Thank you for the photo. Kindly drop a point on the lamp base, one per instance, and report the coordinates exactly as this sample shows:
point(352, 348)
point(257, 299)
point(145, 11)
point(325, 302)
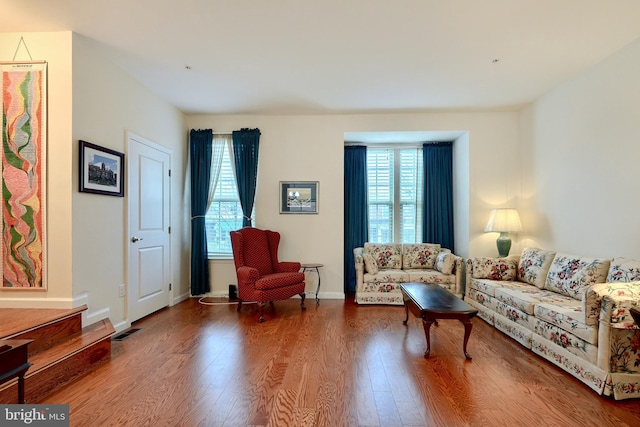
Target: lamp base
point(504, 244)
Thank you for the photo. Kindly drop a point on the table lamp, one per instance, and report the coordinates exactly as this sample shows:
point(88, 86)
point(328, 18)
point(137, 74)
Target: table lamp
point(503, 221)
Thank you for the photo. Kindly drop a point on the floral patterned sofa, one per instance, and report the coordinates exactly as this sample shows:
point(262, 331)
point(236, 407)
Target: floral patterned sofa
point(571, 310)
point(382, 267)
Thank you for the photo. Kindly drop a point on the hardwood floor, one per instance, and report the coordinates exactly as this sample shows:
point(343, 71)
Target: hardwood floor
point(336, 364)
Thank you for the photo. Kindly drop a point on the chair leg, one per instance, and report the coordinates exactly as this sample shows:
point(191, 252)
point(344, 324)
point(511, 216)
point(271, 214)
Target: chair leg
point(302, 306)
point(261, 312)
point(239, 304)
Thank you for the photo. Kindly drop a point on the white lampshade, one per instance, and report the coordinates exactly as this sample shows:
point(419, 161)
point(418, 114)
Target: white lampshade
point(504, 220)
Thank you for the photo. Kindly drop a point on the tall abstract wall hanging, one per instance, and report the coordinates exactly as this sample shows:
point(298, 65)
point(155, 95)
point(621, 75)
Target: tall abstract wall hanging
point(24, 89)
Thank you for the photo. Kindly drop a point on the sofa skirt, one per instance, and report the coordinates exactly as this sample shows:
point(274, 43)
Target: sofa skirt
point(594, 377)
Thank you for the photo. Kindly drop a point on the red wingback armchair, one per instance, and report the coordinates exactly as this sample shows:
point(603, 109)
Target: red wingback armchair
point(261, 277)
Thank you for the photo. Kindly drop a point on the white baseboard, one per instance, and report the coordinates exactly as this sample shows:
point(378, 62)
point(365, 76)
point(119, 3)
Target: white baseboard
point(93, 317)
point(310, 294)
point(122, 326)
point(328, 295)
point(180, 298)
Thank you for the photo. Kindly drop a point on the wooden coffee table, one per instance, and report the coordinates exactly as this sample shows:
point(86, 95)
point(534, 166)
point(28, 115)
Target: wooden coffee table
point(431, 302)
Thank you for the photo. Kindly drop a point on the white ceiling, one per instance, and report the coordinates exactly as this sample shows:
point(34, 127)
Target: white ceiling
point(341, 56)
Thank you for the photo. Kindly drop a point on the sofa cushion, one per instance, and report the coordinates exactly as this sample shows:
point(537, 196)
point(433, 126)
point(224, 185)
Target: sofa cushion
point(567, 315)
point(387, 255)
point(445, 262)
point(370, 264)
point(419, 255)
point(489, 287)
point(624, 270)
point(387, 276)
point(428, 275)
point(526, 296)
point(569, 274)
point(279, 280)
point(567, 340)
point(495, 268)
point(534, 265)
point(513, 314)
point(481, 298)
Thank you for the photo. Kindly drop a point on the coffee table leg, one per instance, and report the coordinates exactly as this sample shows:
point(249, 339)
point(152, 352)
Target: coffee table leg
point(406, 312)
point(426, 323)
point(467, 332)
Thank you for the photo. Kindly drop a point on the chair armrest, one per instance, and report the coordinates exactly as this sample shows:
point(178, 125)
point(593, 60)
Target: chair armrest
point(247, 275)
point(288, 267)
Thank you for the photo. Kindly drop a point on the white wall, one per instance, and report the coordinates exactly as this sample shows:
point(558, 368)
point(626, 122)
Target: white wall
point(106, 104)
point(55, 48)
point(579, 150)
point(93, 100)
point(311, 148)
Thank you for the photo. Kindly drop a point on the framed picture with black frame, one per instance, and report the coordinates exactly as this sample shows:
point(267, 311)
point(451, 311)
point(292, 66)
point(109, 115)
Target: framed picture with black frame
point(101, 170)
point(299, 197)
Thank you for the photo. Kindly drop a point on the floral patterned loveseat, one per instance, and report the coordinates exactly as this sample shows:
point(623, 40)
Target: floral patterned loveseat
point(382, 267)
point(571, 310)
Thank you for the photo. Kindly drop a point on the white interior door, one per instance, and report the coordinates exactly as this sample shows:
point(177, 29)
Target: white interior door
point(149, 221)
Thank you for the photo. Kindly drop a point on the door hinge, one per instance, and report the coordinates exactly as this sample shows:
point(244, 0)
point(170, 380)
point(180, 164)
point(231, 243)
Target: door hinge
point(170, 286)
point(169, 172)
point(169, 230)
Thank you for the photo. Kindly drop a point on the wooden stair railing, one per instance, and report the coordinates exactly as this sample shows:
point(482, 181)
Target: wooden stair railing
point(61, 350)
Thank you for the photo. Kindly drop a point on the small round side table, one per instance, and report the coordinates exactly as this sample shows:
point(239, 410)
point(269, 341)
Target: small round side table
point(312, 267)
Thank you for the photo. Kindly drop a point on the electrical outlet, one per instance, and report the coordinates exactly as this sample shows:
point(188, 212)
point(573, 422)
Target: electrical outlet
point(121, 291)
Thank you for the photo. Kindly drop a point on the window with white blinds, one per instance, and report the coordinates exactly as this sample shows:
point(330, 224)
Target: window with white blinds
point(395, 185)
point(225, 212)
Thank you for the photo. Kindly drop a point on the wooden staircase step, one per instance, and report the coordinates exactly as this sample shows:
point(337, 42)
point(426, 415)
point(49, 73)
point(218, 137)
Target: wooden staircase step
point(18, 321)
point(67, 348)
point(61, 352)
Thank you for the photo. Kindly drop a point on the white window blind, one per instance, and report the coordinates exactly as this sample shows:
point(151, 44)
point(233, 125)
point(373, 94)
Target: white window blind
point(394, 178)
point(225, 212)
point(380, 193)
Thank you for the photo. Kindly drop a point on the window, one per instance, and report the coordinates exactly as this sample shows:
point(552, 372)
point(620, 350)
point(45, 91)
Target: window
point(395, 186)
point(225, 212)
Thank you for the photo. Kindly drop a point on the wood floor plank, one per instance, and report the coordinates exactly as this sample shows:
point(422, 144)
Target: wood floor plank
point(335, 364)
point(387, 410)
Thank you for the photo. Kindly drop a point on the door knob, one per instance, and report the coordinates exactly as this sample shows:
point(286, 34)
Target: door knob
point(135, 239)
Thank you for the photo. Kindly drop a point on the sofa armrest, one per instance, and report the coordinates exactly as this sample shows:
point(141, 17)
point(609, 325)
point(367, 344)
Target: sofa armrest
point(616, 300)
point(458, 270)
point(468, 273)
point(591, 304)
point(359, 264)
